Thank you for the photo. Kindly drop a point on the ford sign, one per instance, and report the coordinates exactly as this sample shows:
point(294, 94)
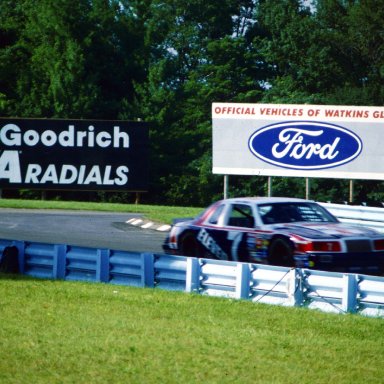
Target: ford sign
point(305, 145)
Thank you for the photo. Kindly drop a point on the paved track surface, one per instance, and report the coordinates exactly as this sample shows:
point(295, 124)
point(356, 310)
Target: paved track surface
point(81, 228)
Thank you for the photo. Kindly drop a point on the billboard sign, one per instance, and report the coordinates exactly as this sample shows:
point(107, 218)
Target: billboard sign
point(73, 154)
point(298, 140)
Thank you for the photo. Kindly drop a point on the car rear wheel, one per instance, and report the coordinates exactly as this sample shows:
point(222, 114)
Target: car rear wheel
point(281, 252)
point(189, 246)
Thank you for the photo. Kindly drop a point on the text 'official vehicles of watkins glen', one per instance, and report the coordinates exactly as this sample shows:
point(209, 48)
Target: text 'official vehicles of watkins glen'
point(277, 231)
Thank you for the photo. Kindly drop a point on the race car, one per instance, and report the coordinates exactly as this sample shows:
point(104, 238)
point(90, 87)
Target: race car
point(277, 231)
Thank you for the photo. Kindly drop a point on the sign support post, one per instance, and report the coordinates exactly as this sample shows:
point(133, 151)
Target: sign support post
point(225, 186)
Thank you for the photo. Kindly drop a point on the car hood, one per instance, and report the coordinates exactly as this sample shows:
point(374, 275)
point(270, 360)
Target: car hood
point(325, 230)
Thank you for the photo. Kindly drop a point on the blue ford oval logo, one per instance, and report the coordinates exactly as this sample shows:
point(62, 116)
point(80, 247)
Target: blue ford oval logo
point(305, 145)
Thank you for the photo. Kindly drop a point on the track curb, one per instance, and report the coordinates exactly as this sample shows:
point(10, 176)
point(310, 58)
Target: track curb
point(146, 224)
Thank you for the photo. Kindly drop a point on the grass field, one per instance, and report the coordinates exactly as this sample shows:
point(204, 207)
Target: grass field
point(74, 332)
point(163, 214)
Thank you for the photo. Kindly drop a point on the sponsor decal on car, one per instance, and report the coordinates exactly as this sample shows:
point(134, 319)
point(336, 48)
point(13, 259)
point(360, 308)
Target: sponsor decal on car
point(210, 244)
point(305, 145)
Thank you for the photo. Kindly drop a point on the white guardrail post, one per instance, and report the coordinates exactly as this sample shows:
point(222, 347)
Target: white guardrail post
point(349, 298)
point(192, 282)
point(295, 288)
point(243, 280)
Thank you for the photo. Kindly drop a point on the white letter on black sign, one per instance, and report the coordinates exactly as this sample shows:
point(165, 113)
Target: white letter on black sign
point(10, 166)
point(117, 135)
point(33, 171)
point(68, 174)
point(122, 177)
point(14, 137)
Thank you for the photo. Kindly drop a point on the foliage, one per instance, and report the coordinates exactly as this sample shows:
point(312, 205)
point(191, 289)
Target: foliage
point(165, 62)
point(68, 58)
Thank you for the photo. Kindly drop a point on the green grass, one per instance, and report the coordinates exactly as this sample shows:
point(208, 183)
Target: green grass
point(63, 332)
point(73, 332)
point(162, 214)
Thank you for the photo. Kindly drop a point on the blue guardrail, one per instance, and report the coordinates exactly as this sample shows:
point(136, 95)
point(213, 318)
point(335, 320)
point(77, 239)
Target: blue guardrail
point(326, 291)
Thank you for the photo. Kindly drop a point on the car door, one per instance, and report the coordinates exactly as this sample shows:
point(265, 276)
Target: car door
point(224, 235)
point(240, 221)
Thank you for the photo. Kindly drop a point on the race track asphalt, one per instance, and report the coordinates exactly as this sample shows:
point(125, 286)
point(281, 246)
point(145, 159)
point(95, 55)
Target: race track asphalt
point(79, 228)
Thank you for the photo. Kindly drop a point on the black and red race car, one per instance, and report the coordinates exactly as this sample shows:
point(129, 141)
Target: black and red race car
point(277, 231)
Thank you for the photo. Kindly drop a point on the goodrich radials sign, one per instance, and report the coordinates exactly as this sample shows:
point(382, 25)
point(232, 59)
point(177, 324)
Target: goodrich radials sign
point(298, 140)
point(73, 154)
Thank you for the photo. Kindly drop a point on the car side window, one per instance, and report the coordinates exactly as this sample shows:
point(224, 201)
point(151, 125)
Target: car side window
point(279, 213)
point(241, 215)
point(214, 219)
point(295, 212)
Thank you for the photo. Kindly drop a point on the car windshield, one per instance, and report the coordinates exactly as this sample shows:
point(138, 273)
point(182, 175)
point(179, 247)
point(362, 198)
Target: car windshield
point(275, 213)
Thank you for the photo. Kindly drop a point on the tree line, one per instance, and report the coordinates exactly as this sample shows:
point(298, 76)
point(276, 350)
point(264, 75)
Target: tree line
point(166, 61)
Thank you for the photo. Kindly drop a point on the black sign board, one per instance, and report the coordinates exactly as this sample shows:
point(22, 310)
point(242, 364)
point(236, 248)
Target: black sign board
point(74, 154)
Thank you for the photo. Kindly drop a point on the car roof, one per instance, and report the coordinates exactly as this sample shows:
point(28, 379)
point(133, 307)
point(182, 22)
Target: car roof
point(265, 200)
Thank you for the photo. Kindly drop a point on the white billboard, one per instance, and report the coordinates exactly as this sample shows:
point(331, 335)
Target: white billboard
point(298, 140)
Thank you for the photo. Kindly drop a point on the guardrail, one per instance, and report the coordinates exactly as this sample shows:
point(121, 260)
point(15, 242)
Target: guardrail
point(355, 214)
point(326, 291)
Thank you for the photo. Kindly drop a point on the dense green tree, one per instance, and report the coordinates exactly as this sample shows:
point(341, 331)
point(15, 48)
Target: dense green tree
point(200, 53)
point(355, 30)
point(298, 48)
point(166, 61)
point(68, 58)
point(331, 53)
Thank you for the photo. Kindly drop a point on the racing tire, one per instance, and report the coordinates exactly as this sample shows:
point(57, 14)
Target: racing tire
point(189, 246)
point(281, 253)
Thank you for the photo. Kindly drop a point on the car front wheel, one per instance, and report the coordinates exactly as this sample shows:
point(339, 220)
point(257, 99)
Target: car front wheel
point(189, 246)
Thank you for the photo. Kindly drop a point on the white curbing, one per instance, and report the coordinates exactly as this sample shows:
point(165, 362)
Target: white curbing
point(164, 228)
point(148, 225)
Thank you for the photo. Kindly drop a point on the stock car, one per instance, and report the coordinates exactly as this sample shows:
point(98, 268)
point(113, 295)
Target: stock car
point(277, 231)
